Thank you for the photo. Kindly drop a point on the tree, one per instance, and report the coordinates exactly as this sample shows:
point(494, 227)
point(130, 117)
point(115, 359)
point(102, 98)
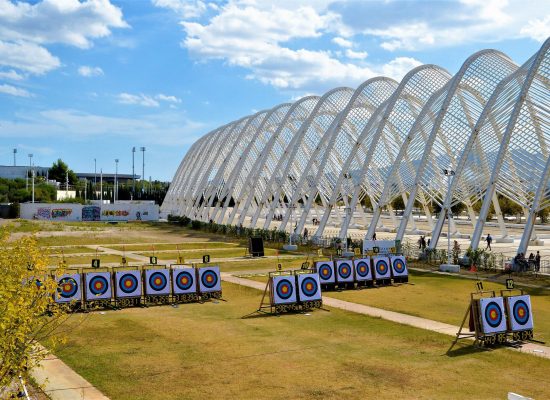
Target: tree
point(58, 171)
point(28, 314)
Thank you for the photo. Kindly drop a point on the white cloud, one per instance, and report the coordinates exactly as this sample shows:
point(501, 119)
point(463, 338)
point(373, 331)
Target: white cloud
point(356, 55)
point(342, 42)
point(398, 67)
point(14, 91)
point(11, 75)
point(538, 29)
point(185, 8)
point(28, 57)
point(89, 72)
point(147, 100)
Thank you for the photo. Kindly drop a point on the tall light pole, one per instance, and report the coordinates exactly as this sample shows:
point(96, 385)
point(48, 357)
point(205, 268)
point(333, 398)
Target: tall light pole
point(95, 178)
point(27, 178)
point(14, 153)
point(142, 149)
point(116, 180)
point(449, 173)
point(32, 171)
point(133, 172)
point(101, 185)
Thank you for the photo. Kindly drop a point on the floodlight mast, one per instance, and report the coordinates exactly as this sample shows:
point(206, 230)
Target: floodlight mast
point(449, 173)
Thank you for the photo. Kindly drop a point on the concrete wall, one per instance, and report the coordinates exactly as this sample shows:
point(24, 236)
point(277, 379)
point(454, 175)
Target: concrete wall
point(79, 212)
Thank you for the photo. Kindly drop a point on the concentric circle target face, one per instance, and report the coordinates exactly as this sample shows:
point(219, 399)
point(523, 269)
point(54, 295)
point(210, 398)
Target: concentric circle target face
point(344, 270)
point(309, 287)
point(67, 287)
point(128, 283)
point(284, 289)
point(521, 312)
point(209, 279)
point(362, 269)
point(157, 281)
point(98, 285)
point(184, 280)
point(381, 267)
point(493, 314)
point(325, 272)
point(399, 266)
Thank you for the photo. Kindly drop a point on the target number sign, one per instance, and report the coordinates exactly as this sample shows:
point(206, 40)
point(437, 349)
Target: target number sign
point(325, 270)
point(320, 252)
point(209, 279)
point(376, 249)
point(181, 260)
point(279, 267)
point(362, 269)
point(128, 284)
point(96, 262)
point(381, 267)
point(509, 283)
point(344, 270)
point(68, 288)
point(305, 265)
point(206, 259)
point(519, 313)
point(357, 251)
point(184, 280)
point(157, 282)
point(123, 261)
point(284, 289)
point(152, 260)
point(338, 252)
point(309, 287)
point(493, 319)
point(98, 286)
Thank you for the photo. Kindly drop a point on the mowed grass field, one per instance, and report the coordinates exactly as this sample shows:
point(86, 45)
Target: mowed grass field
point(199, 351)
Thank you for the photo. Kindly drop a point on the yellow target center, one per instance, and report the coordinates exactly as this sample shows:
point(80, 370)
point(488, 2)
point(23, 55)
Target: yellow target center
point(128, 283)
point(158, 281)
point(493, 314)
point(209, 279)
point(98, 285)
point(184, 280)
point(309, 286)
point(67, 287)
point(285, 289)
point(521, 312)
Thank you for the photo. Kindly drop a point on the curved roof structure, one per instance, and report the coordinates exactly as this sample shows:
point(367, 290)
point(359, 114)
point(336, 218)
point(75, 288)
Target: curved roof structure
point(490, 123)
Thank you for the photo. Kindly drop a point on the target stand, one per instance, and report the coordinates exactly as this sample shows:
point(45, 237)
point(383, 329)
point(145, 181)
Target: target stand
point(327, 274)
point(345, 273)
point(184, 284)
point(309, 289)
point(520, 315)
point(486, 320)
point(209, 282)
point(279, 294)
point(382, 270)
point(156, 283)
point(363, 272)
point(69, 290)
point(98, 289)
point(128, 288)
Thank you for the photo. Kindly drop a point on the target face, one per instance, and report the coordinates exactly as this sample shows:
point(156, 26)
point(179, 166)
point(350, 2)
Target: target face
point(209, 279)
point(68, 288)
point(519, 313)
point(157, 282)
point(184, 281)
point(98, 286)
point(381, 268)
point(345, 271)
point(128, 284)
point(492, 315)
point(284, 289)
point(362, 269)
point(399, 266)
point(309, 287)
point(326, 271)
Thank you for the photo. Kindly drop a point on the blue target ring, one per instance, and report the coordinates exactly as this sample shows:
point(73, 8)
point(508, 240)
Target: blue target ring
point(325, 272)
point(128, 283)
point(344, 270)
point(399, 266)
point(362, 269)
point(493, 314)
point(381, 267)
point(98, 285)
point(209, 279)
point(157, 281)
point(521, 312)
point(284, 289)
point(309, 287)
point(67, 287)
point(184, 280)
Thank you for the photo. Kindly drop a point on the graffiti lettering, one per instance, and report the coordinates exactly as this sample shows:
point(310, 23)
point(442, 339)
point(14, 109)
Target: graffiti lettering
point(91, 213)
point(61, 212)
point(43, 213)
point(115, 213)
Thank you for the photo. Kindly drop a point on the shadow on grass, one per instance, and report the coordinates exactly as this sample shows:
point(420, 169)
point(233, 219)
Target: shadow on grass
point(466, 350)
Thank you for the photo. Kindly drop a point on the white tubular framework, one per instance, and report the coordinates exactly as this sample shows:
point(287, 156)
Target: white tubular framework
point(327, 158)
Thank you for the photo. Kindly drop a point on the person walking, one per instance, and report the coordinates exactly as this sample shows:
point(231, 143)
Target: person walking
point(305, 233)
point(374, 236)
point(489, 240)
point(537, 262)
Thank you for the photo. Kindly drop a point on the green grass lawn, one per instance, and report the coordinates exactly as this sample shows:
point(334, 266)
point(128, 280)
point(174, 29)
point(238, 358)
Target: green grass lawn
point(214, 253)
point(199, 351)
point(77, 260)
point(175, 246)
point(71, 250)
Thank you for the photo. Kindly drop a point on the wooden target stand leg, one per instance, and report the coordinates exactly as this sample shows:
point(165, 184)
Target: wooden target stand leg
point(459, 335)
point(265, 304)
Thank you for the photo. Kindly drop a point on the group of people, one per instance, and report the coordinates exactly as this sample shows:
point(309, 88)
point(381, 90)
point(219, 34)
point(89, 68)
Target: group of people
point(423, 243)
point(278, 217)
point(524, 264)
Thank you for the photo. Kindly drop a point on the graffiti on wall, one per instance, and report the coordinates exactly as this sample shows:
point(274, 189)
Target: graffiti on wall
point(91, 213)
point(43, 213)
point(61, 212)
point(115, 213)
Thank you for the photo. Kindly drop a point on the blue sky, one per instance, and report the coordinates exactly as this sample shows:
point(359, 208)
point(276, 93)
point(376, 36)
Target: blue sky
point(92, 78)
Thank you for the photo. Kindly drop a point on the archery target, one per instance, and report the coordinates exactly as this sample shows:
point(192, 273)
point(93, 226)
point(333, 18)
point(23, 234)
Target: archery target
point(309, 287)
point(128, 284)
point(325, 269)
point(399, 266)
point(519, 313)
point(98, 286)
point(184, 280)
point(284, 289)
point(68, 288)
point(493, 319)
point(157, 282)
point(209, 279)
point(344, 271)
point(381, 266)
point(362, 269)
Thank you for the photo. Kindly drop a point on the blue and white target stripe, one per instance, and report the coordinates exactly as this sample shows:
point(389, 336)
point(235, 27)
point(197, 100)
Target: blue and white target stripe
point(209, 279)
point(98, 286)
point(345, 271)
point(128, 284)
point(183, 281)
point(68, 288)
point(492, 315)
point(362, 269)
point(519, 313)
point(157, 282)
point(309, 287)
point(399, 266)
point(325, 269)
point(284, 291)
point(381, 268)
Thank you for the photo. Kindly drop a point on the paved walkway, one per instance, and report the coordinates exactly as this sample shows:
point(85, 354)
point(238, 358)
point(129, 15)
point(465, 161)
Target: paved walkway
point(417, 322)
point(60, 382)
